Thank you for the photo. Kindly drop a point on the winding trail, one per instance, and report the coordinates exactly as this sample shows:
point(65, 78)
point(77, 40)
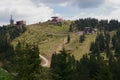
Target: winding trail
point(46, 62)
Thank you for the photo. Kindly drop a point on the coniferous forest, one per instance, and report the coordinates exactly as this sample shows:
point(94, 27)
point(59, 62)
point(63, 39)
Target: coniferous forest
point(101, 63)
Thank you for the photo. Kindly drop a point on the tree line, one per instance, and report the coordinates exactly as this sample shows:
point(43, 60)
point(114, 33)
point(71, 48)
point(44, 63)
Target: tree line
point(7, 34)
point(80, 24)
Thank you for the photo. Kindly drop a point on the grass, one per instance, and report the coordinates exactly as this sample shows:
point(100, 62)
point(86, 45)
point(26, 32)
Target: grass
point(51, 46)
point(47, 36)
point(5, 75)
point(77, 48)
point(41, 32)
point(50, 39)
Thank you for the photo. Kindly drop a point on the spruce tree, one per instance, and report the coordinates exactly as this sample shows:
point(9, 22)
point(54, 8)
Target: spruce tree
point(101, 41)
point(94, 48)
point(103, 74)
point(62, 66)
point(82, 38)
point(27, 63)
point(114, 64)
point(68, 38)
point(117, 48)
point(82, 68)
point(114, 39)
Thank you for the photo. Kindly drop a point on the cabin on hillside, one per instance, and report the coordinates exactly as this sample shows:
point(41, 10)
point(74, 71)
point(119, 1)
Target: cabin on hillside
point(89, 30)
point(56, 20)
point(21, 23)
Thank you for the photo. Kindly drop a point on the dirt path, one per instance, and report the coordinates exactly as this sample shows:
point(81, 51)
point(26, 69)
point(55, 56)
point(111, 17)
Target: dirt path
point(61, 45)
point(45, 61)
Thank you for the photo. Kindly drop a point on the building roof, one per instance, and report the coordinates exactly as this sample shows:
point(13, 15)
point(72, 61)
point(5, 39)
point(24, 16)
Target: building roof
point(54, 17)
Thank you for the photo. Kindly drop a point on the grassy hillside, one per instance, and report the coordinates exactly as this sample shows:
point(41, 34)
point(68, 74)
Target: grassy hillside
point(51, 38)
point(46, 36)
point(77, 48)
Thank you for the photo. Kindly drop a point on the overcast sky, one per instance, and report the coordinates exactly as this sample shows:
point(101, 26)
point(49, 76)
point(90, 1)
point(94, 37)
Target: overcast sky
point(33, 11)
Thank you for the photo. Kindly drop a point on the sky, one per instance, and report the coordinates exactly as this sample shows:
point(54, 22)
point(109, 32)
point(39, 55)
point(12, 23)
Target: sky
point(33, 11)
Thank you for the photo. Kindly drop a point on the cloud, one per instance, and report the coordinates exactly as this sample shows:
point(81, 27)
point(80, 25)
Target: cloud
point(79, 3)
point(41, 10)
point(52, 1)
point(25, 10)
point(90, 3)
point(61, 3)
point(109, 16)
point(115, 2)
point(107, 9)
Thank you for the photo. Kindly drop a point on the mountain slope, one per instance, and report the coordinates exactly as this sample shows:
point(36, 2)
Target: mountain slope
point(47, 36)
point(52, 38)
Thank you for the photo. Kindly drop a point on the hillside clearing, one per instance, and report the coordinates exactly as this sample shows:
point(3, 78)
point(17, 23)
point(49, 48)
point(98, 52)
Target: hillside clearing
point(77, 48)
point(52, 38)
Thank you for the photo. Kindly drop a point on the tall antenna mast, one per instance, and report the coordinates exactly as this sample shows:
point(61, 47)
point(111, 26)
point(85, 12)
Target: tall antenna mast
point(11, 20)
point(10, 17)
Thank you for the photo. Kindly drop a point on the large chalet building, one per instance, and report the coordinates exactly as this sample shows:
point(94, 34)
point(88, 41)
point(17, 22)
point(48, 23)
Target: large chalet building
point(56, 20)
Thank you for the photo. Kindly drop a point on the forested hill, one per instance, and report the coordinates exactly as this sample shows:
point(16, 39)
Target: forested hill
point(73, 54)
point(80, 24)
point(7, 34)
point(11, 32)
point(51, 38)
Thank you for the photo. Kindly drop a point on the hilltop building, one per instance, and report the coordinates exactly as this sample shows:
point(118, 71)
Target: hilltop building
point(56, 20)
point(89, 30)
point(21, 23)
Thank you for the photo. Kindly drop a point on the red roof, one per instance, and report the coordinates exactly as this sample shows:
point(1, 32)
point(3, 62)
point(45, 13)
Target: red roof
point(57, 19)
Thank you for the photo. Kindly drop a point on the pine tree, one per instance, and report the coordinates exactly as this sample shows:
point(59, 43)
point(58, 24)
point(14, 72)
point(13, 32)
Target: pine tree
point(95, 64)
point(71, 27)
point(68, 38)
point(83, 68)
point(27, 63)
point(114, 39)
point(94, 48)
point(103, 74)
point(114, 64)
point(62, 66)
point(101, 41)
point(107, 38)
point(82, 38)
point(117, 48)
